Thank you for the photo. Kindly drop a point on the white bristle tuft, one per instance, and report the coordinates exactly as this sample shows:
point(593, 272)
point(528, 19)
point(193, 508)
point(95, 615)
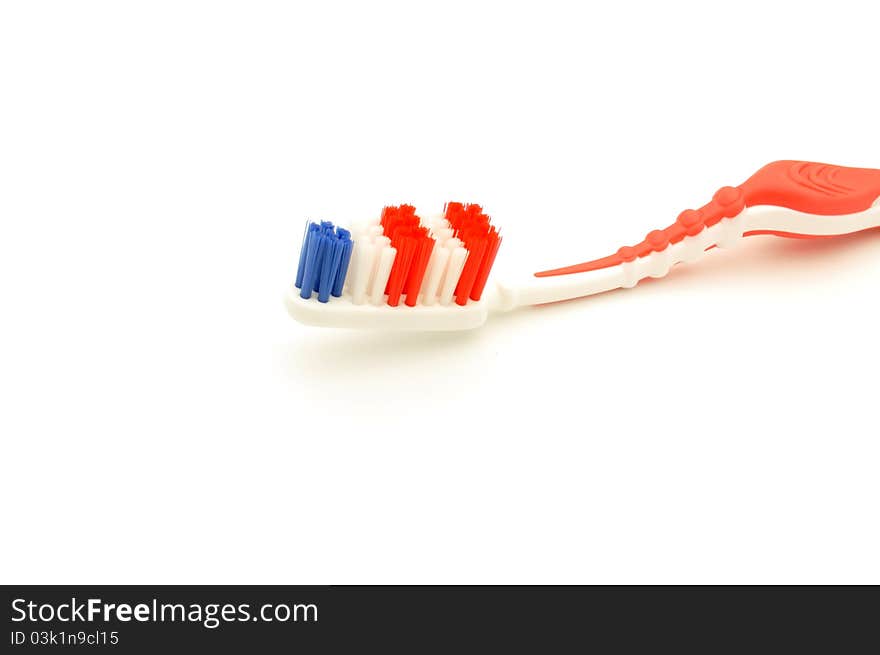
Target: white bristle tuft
point(453, 243)
point(443, 235)
point(457, 260)
point(383, 271)
point(434, 274)
point(364, 256)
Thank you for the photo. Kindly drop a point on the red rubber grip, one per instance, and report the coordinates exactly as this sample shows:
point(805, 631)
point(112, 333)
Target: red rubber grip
point(808, 187)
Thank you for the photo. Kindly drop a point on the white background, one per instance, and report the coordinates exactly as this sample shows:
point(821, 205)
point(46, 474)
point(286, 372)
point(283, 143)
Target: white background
point(164, 420)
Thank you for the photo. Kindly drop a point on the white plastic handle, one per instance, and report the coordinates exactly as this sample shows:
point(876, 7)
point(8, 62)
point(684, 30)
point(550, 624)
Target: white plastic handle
point(532, 290)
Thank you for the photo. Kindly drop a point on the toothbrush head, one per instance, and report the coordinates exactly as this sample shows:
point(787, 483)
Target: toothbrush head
point(397, 271)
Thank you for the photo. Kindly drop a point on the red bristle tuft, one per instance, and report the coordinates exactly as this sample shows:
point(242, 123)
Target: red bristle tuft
point(414, 247)
point(481, 240)
point(493, 243)
point(453, 209)
point(401, 225)
point(419, 265)
point(476, 247)
point(406, 246)
point(471, 212)
point(455, 213)
point(394, 218)
point(387, 214)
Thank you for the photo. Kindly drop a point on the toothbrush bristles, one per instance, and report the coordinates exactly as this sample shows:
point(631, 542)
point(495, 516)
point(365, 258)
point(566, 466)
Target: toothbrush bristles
point(482, 241)
point(323, 262)
point(401, 256)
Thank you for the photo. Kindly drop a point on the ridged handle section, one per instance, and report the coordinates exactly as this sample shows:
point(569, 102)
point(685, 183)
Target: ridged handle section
point(800, 186)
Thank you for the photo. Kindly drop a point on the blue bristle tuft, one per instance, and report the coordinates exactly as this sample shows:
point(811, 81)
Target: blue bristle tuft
point(311, 228)
point(323, 261)
point(312, 266)
point(320, 253)
point(331, 266)
point(347, 246)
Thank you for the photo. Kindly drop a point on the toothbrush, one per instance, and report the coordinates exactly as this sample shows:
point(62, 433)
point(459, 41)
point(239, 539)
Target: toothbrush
point(400, 271)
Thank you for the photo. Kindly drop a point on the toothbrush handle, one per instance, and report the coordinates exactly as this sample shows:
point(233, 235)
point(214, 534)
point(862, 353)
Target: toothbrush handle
point(785, 198)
